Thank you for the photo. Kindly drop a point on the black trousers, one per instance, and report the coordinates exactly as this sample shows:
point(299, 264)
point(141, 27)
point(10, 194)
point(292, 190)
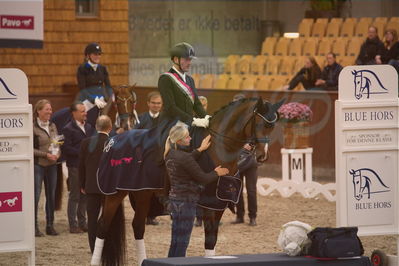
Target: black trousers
point(94, 203)
point(251, 177)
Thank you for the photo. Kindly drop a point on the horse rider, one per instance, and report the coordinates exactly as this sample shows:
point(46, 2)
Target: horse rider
point(177, 88)
point(93, 82)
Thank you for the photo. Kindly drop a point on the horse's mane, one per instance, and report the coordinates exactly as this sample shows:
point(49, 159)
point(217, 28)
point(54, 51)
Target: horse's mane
point(231, 105)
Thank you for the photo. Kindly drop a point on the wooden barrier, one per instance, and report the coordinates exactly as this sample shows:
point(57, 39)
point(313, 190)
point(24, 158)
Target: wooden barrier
point(321, 131)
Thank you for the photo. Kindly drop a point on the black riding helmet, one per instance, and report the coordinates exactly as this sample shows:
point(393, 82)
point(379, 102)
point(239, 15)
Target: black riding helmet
point(182, 50)
point(93, 48)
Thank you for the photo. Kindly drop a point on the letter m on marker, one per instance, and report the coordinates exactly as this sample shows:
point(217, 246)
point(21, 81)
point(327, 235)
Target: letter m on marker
point(296, 164)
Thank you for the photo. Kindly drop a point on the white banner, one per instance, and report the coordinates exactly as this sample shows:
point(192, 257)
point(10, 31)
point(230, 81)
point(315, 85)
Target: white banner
point(21, 23)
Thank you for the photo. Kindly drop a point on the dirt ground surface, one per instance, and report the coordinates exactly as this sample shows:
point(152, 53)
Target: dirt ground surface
point(273, 212)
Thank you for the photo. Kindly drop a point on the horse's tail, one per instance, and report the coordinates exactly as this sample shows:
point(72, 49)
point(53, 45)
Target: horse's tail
point(115, 241)
point(60, 187)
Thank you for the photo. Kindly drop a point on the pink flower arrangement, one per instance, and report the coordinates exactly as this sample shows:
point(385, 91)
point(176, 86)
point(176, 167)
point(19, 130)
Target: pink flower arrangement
point(295, 112)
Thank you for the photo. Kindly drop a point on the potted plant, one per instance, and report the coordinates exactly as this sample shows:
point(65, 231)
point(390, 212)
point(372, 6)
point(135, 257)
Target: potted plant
point(296, 118)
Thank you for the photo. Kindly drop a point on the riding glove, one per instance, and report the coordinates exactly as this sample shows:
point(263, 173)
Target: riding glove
point(100, 102)
point(201, 122)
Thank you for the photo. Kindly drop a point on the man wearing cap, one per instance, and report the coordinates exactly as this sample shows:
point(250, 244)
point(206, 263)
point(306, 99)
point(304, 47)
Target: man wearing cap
point(177, 88)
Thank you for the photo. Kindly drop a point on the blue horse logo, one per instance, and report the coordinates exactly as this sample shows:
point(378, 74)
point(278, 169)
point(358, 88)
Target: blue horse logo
point(366, 83)
point(7, 89)
point(365, 182)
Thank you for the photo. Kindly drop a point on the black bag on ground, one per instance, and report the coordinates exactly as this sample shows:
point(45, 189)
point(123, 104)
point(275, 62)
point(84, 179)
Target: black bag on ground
point(335, 242)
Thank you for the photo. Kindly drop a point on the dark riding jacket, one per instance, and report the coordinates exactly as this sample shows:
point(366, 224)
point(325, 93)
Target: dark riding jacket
point(186, 176)
point(176, 104)
point(87, 77)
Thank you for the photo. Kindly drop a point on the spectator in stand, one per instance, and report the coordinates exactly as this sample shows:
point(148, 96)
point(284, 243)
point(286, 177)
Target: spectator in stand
point(89, 158)
point(46, 153)
point(307, 75)
point(149, 120)
point(391, 51)
point(330, 73)
point(371, 47)
point(74, 132)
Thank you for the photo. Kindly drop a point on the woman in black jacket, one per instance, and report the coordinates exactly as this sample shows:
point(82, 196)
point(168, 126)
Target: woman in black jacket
point(308, 75)
point(186, 182)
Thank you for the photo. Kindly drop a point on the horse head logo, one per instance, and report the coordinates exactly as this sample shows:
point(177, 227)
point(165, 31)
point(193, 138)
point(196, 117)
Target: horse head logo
point(9, 93)
point(366, 83)
point(363, 183)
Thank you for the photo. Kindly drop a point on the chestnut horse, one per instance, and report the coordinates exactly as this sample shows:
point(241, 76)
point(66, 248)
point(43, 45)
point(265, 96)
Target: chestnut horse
point(240, 122)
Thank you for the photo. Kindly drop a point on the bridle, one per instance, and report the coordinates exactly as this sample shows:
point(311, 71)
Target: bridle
point(125, 100)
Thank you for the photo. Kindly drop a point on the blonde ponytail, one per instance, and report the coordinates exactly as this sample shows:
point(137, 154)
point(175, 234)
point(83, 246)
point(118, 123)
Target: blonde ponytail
point(176, 133)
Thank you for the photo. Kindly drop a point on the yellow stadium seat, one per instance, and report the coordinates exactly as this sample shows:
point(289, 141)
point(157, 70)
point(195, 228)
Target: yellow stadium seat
point(347, 60)
point(268, 46)
point(337, 20)
point(234, 82)
point(381, 19)
point(221, 81)
point(325, 45)
point(366, 19)
point(295, 48)
point(282, 46)
point(319, 29)
point(263, 83)
point(307, 20)
point(287, 65)
point(347, 28)
point(299, 63)
point(310, 47)
point(394, 19)
point(321, 61)
point(196, 78)
point(230, 64)
point(206, 81)
point(248, 82)
point(244, 63)
point(354, 46)
point(361, 28)
point(278, 82)
point(393, 25)
point(258, 64)
point(333, 29)
point(305, 28)
point(354, 20)
point(380, 25)
point(339, 46)
point(273, 65)
point(322, 20)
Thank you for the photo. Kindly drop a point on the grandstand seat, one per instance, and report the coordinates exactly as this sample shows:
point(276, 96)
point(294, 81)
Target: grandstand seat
point(278, 82)
point(394, 19)
point(339, 46)
point(393, 25)
point(354, 20)
point(368, 20)
point(243, 64)
point(221, 81)
point(234, 82)
point(248, 82)
point(381, 19)
point(299, 63)
point(310, 46)
point(333, 29)
point(380, 25)
point(322, 20)
point(325, 45)
point(347, 60)
point(206, 81)
point(273, 65)
point(321, 61)
point(258, 65)
point(305, 27)
point(268, 46)
point(296, 45)
point(230, 64)
point(337, 20)
point(282, 46)
point(196, 77)
point(354, 46)
point(263, 83)
point(361, 28)
point(348, 27)
point(319, 29)
point(287, 65)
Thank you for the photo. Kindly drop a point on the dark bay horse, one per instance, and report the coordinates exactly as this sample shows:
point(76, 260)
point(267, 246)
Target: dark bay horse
point(122, 172)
